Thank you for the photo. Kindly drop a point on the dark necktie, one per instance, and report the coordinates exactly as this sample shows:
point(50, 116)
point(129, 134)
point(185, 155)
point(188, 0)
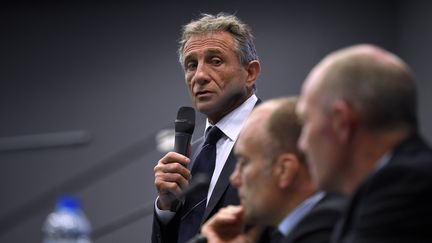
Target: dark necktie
point(195, 204)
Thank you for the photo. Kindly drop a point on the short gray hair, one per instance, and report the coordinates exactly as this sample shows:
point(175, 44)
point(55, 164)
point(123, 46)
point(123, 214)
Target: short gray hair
point(284, 127)
point(208, 23)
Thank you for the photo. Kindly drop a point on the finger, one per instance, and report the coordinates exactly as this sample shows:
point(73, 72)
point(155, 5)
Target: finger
point(227, 216)
point(236, 211)
point(177, 178)
point(223, 226)
point(162, 170)
point(173, 157)
point(168, 164)
point(165, 188)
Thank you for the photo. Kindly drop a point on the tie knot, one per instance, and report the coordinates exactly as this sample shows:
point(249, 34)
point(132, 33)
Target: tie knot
point(213, 135)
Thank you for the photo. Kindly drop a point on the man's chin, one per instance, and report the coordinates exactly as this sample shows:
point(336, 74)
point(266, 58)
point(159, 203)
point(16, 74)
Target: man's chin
point(205, 107)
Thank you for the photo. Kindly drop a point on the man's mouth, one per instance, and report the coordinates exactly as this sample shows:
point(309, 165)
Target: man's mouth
point(202, 93)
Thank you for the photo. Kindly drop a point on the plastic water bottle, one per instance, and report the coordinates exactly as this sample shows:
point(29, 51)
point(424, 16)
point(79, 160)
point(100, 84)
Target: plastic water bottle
point(67, 223)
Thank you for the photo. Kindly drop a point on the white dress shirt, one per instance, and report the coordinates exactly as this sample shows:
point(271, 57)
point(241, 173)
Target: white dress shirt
point(230, 125)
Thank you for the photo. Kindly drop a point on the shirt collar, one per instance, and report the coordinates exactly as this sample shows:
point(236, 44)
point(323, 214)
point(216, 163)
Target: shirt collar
point(299, 212)
point(231, 124)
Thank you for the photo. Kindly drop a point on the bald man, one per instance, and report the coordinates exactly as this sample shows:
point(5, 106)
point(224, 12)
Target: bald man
point(361, 138)
point(274, 184)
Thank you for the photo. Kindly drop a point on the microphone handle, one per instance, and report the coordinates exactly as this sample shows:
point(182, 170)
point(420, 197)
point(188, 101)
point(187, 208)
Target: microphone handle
point(181, 143)
point(181, 146)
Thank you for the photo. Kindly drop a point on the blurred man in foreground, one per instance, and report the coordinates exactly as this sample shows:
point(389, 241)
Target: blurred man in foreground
point(360, 135)
point(274, 184)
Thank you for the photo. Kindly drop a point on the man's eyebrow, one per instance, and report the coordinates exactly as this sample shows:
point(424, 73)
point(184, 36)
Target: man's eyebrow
point(237, 154)
point(209, 52)
point(189, 57)
point(213, 51)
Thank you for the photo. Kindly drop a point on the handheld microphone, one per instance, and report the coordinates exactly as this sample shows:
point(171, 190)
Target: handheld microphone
point(184, 127)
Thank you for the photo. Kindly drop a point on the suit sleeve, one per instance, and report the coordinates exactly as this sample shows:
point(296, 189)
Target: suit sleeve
point(165, 233)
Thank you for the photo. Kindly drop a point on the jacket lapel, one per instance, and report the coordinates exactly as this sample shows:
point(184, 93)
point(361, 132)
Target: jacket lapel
point(223, 182)
point(221, 185)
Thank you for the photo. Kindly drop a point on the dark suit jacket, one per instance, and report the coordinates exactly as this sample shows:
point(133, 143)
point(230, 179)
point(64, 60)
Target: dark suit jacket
point(394, 204)
point(317, 225)
point(223, 194)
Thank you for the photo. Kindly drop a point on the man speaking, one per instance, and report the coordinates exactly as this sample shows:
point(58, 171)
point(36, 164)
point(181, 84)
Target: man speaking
point(221, 67)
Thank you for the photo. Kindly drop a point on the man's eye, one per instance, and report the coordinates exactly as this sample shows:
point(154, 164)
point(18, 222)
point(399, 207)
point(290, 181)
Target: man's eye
point(242, 162)
point(216, 61)
point(190, 66)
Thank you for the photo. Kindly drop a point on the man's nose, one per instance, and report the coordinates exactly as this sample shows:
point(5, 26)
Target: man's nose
point(201, 74)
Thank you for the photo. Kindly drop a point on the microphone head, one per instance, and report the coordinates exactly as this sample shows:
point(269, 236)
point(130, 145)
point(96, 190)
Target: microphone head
point(185, 121)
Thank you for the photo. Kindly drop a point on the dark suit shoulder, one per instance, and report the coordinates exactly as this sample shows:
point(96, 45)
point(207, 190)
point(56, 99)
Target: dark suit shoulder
point(393, 203)
point(317, 225)
point(413, 153)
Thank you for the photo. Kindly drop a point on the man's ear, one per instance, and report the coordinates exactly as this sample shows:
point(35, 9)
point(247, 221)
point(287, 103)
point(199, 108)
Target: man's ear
point(253, 69)
point(287, 168)
point(344, 119)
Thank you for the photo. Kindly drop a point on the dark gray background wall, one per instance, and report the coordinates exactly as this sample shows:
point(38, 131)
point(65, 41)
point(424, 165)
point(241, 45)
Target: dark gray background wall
point(110, 69)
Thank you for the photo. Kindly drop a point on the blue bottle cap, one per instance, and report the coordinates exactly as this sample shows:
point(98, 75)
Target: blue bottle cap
point(68, 202)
